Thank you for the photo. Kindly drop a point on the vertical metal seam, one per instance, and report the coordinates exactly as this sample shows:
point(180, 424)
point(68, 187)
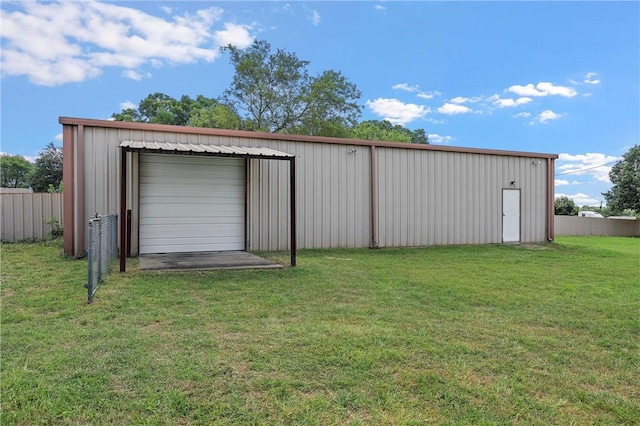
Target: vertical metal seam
point(373, 198)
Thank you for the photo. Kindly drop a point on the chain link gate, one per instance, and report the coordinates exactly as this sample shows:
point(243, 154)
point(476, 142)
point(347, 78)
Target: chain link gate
point(103, 248)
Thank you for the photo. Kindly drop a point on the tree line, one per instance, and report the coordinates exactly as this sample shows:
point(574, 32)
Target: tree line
point(624, 196)
point(45, 175)
point(274, 92)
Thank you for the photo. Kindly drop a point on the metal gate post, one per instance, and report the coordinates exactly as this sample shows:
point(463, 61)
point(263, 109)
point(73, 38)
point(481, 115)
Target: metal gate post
point(90, 255)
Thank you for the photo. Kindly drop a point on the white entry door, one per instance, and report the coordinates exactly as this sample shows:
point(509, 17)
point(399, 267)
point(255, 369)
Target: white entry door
point(510, 215)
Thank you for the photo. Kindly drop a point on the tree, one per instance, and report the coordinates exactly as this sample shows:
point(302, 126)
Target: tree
point(15, 171)
point(48, 169)
point(625, 177)
point(274, 92)
point(565, 206)
point(386, 131)
point(217, 116)
point(160, 108)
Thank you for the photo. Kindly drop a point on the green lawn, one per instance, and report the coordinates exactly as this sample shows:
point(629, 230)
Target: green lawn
point(531, 334)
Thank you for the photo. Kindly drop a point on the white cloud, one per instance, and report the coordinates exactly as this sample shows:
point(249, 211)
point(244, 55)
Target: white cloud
point(58, 137)
point(510, 103)
point(522, 115)
point(379, 7)
point(452, 109)
point(57, 43)
point(436, 138)
point(561, 182)
point(542, 89)
point(166, 9)
point(127, 105)
point(405, 87)
point(412, 89)
point(545, 116)
point(236, 35)
point(590, 78)
point(135, 75)
point(581, 199)
point(429, 95)
point(397, 112)
point(458, 100)
point(550, 89)
point(461, 100)
point(315, 18)
point(593, 164)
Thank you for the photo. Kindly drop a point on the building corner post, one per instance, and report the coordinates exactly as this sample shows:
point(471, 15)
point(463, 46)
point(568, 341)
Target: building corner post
point(550, 200)
point(292, 201)
point(68, 192)
point(123, 210)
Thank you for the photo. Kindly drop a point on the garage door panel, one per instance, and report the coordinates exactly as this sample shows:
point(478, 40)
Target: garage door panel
point(202, 220)
point(228, 232)
point(191, 203)
point(176, 191)
point(171, 211)
point(201, 201)
point(183, 248)
point(180, 174)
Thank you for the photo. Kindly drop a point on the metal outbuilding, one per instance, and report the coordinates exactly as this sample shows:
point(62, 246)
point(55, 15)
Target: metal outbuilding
point(191, 189)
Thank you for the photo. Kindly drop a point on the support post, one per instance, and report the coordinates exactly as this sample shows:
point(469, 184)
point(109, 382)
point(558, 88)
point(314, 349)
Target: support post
point(292, 201)
point(123, 210)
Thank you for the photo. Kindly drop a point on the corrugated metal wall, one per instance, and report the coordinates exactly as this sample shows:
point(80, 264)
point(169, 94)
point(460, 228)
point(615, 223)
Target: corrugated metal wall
point(423, 197)
point(23, 216)
point(574, 225)
point(433, 197)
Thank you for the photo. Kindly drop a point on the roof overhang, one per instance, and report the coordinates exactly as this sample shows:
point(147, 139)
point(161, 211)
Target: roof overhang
point(204, 149)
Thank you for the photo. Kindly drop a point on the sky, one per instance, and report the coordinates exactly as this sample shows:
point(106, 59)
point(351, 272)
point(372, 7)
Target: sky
point(548, 77)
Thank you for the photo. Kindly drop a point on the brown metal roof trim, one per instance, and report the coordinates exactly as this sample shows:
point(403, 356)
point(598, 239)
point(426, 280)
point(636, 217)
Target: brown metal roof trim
point(286, 137)
point(203, 149)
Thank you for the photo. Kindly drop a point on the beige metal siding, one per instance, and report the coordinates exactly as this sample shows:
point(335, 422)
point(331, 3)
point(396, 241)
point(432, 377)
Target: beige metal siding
point(24, 215)
point(432, 198)
point(424, 197)
point(574, 225)
point(332, 197)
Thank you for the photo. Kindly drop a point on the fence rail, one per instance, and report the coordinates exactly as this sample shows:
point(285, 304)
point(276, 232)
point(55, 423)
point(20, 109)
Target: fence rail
point(25, 216)
point(103, 248)
point(574, 225)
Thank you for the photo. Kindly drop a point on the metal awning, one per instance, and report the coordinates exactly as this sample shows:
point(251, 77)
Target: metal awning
point(204, 149)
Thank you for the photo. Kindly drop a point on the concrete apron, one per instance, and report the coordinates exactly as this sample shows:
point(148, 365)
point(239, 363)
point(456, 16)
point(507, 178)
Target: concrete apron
point(210, 260)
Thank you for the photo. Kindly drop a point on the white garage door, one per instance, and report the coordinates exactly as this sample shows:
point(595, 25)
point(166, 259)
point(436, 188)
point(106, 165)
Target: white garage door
point(190, 203)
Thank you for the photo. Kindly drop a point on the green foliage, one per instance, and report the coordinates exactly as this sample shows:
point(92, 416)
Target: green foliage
point(386, 131)
point(625, 177)
point(48, 169)
point(15, 171)
point(216, 116)
point(565, 206)
point(275, 93)
point(56, 228)
point(160, 108)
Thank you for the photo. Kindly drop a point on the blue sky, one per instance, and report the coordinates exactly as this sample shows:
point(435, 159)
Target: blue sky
point(551, 77)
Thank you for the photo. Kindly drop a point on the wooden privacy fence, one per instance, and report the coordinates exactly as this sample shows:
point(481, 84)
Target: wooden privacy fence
point(575, 225)
point(25, 216)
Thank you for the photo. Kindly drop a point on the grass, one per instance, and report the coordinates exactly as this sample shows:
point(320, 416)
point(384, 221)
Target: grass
point(530, 334)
